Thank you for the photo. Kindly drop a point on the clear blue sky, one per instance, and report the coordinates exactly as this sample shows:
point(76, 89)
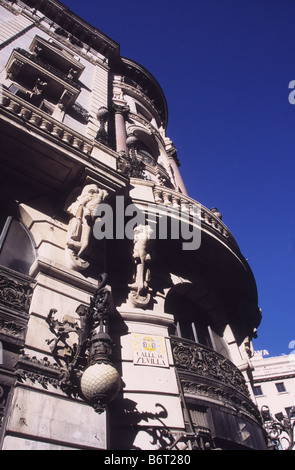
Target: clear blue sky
point(225, 66)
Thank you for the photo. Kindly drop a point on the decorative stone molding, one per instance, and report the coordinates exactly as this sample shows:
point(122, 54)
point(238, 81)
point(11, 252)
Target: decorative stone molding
point(209, 218)
point(39, 370)
point(15, 291)
point(38, 118)
point(12, 329)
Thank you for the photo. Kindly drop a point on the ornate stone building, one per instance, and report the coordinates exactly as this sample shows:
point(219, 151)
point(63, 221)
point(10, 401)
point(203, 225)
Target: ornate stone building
point(127, 310)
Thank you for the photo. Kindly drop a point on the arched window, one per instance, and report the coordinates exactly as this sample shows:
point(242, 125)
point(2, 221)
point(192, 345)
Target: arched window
point(17, 251)
point(145, 153)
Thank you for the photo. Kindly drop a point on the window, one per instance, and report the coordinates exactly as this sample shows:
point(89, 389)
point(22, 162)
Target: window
point(142, 111)
point(145, 153)
point(17, 251)
point(281, 387)
point(193, 322)
point(195, 331)
point(257, 389)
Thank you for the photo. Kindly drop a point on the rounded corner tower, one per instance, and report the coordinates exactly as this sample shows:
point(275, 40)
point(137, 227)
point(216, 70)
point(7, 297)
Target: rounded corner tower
point(127, 309)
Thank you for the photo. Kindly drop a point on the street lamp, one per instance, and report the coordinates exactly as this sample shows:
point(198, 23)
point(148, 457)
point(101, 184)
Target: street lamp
point(278, 428)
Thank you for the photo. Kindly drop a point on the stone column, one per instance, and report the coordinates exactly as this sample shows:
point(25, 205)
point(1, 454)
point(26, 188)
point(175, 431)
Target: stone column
point(173, 161)
point(120, 127)
point(177, 175)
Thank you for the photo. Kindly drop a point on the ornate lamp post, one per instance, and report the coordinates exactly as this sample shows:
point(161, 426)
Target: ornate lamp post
point(279, 428)
point(86, 368)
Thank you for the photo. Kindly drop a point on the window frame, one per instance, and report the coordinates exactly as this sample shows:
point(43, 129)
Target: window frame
point(255, 388)
point(280, 385)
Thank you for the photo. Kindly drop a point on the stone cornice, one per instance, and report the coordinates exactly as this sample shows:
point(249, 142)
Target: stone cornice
point(148, 316)
point(75, 26)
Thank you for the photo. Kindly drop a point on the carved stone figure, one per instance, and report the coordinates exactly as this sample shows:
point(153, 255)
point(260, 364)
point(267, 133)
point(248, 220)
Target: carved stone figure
point(83, 211)
point(140, 295)
point(39, 87)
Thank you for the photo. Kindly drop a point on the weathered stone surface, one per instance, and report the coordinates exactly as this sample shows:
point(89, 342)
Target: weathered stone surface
point(55, 419)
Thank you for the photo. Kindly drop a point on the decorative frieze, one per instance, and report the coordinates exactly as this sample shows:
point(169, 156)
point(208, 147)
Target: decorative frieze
point(38, 370)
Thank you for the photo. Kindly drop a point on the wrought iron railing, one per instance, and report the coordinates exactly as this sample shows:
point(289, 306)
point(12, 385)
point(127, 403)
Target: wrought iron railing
point(204, 373)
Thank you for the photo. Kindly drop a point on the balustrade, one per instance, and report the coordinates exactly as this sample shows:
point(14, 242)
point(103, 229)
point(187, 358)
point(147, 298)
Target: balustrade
point(174, 199)
point(45, 122)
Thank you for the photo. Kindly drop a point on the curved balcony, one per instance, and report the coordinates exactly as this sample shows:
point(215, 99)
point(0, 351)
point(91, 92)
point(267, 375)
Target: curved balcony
point(209, 220)
point(137, 79)
point(176, 201)
point(208, 376)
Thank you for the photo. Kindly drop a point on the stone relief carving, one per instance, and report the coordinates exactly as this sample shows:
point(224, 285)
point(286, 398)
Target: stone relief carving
point(12, 328)
point(83, 211)
point(14, 294)
point(39, 87)
point(140, 290)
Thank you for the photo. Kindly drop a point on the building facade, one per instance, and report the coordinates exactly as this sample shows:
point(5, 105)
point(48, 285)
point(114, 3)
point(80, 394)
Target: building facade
point(127, 310)
point(274, 390)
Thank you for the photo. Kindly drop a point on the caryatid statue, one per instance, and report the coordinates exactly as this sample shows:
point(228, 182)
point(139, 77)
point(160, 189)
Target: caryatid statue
point(140, 295)
point(83, 211)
